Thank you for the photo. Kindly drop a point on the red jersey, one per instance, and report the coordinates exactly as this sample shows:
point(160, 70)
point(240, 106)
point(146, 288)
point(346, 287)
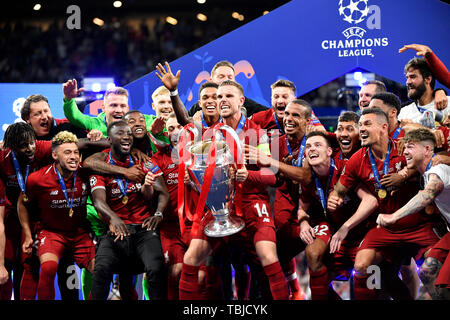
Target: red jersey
point(267, 120)
point(397, 133)
point(252, 134)
point(46, 196)
point(339, 217)
point(358, 169)
point(2, 194)
point(310, 195)
point(287, 195)
point(165, 161)
point(137, 209)
point(42, 157)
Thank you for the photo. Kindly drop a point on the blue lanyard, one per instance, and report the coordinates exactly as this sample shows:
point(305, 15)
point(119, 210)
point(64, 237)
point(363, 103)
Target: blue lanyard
point(430, 164)
point(421, 110)
point(63, 187)
point(373, 164)
point(20, 179)
point(123, 189)
point(240, 124)
point(277, 123)
point(299, 161)
point(320, 191)
point(205, 125)
point(340, 155)
point(397, 132)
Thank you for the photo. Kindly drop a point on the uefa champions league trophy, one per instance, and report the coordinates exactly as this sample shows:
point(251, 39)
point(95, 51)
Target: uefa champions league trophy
point(211, 162)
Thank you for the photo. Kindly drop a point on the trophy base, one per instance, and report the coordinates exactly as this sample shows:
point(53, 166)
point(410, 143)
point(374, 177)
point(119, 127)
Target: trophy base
point(224, 227)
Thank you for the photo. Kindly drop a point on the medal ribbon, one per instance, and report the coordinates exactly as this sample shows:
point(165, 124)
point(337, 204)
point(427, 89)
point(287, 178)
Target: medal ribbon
point(20, 179)
point(63, 187)
point(397, 132)
point(299, 161)
point(429, 164)
point(320, 191)
point(373, 164)
point(123, 189)
point(277, 123)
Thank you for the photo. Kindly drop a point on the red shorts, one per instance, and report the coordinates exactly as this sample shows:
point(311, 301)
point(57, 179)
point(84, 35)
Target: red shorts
point(322, 231)
point(259, 224)
point(258, 219)
point(80, 244)
point(173, 246)
point(385, 241)
point(440, 252)
point(343, 260)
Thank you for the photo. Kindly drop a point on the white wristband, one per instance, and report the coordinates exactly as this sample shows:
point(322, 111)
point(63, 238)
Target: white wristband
point(173, 93)
point(158, 214)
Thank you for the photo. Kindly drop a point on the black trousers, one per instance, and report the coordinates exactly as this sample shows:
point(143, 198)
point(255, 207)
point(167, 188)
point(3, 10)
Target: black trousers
point(137, 253)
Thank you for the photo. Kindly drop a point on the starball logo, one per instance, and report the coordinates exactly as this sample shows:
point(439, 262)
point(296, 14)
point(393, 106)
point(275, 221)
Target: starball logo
point(363, 19)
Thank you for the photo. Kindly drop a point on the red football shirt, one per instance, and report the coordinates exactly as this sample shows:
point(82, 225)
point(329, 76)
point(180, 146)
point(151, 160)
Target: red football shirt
point(2, 194)
point(165, 161)
point(398, 135)
point(252, 134)
point(42, 157)
point(340, 216)
point(45, 195)
point(286, 195)
point(136, 210)
point(358, 169)
point(266, 120)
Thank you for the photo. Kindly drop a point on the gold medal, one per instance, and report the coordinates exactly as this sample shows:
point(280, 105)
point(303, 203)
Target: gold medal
point(25, 198)
point(125, 200)
point(382, 193)
point(70, 212)
point(429, 209)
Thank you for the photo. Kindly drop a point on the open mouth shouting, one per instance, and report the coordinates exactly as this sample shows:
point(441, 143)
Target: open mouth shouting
point(116, 116)
point(125, 146)
point(279, 110)
point(139, 131)
point(72, 165)
point(45, 125)
point(313, 158)
point(211, 109)
point(346, 144)
point(364, 137)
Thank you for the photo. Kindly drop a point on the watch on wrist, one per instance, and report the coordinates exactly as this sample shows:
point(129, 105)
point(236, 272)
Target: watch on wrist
point(158, 214)
point(173, 93)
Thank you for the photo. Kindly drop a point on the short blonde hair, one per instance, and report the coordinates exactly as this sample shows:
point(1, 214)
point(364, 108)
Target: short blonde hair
point(234, 84)
point(159, 92)
point(116, 90)
point(63, 137)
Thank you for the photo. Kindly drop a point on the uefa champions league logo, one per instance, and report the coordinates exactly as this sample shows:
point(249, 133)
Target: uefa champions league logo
point(353, 11)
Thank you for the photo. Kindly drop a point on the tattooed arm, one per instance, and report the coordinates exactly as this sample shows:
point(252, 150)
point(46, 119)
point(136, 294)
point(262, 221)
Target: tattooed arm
point(422, 199)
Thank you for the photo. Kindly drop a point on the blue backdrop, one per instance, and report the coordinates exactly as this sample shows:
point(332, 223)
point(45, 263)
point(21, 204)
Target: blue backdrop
point(307, 42)
point(312, 43)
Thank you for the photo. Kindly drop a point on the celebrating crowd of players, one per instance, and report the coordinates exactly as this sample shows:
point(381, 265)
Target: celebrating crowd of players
point(111, 193)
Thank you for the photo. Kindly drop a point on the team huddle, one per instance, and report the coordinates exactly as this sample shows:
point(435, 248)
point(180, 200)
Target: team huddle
point(112, 194)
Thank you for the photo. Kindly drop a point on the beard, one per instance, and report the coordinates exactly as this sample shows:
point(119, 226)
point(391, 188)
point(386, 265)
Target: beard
point(418, 92)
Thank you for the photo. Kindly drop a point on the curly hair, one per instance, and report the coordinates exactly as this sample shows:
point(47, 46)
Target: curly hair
point(63, 137)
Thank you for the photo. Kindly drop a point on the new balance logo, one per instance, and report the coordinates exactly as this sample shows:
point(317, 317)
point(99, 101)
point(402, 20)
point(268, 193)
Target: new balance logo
point(54, 193)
